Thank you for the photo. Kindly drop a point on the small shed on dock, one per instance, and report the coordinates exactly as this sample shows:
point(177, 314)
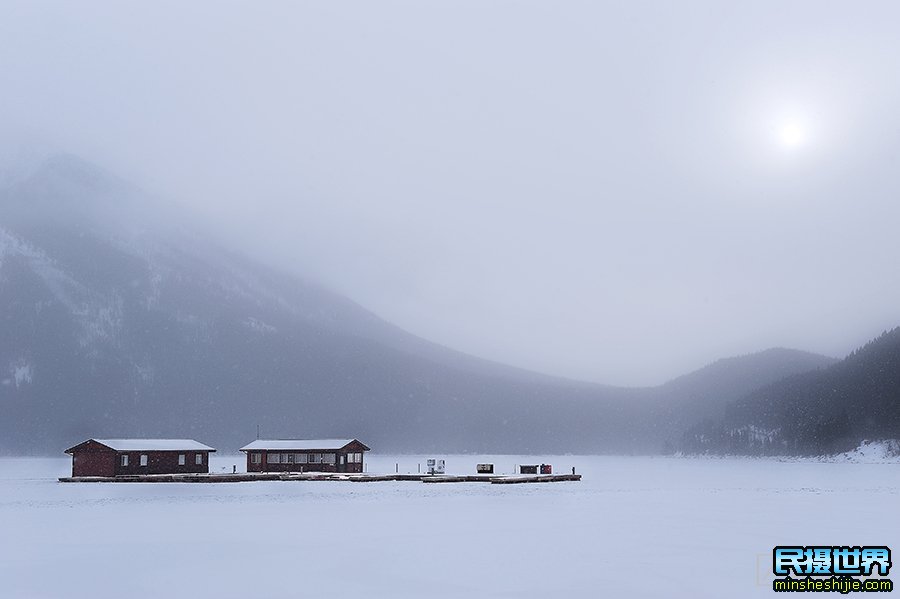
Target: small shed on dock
point(117, 457)
point(305, 455)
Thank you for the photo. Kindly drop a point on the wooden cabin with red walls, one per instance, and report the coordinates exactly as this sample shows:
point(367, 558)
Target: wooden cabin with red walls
point(305, 455)
point(118, 457)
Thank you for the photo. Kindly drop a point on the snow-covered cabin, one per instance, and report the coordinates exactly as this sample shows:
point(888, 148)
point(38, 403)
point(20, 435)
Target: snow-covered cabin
point(116, 457)
point(305, 455)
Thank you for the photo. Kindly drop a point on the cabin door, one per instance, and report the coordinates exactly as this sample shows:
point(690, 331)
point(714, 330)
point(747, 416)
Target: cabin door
point(341, 460)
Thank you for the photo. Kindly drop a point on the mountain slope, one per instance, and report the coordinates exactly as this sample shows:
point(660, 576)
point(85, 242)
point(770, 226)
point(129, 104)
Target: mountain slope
point(705, 393)
point(824, 411)
point(115, 321)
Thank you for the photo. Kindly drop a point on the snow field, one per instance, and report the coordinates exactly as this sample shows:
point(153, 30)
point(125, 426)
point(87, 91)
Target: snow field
point(634, 527)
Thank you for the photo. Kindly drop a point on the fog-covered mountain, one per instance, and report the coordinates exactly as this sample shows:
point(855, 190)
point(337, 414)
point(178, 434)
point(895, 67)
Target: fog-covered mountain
point(115, 321)
point(705, 394)
point(824, 411)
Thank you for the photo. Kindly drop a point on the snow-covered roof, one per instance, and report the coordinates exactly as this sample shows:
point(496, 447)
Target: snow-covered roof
point(300, 444)
point(154, 444)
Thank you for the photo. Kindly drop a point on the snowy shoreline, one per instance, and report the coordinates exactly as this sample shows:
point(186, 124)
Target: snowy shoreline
point(569, 538)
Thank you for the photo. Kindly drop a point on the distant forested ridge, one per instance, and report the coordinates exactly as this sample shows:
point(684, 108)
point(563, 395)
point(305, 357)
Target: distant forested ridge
point(819, 412)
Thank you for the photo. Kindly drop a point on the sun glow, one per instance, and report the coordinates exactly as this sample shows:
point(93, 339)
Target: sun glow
point(790, 127)
point(792, 135)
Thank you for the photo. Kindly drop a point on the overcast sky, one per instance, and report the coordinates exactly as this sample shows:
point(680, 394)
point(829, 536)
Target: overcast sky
point(619, 192)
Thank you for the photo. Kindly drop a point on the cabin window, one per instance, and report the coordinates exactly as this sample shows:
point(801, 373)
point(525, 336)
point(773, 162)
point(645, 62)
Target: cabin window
point(198, 459)
point(256, 458)
point(273, 458)
point(287, 458)
point(328, 458)
point(181, 459)
point(125, 459)
point(354, 458)
point(143, 459)
point(315, 458)
point(300, 458)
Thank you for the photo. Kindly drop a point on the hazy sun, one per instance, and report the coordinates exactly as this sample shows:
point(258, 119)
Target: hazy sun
point(792, 135)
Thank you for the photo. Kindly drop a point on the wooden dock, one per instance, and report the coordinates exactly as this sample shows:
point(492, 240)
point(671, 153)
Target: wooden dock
point(323, 476)
point(540, 478)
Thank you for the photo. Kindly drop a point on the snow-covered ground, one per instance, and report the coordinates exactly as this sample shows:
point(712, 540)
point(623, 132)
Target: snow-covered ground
point(634, 527)
point(871, 452)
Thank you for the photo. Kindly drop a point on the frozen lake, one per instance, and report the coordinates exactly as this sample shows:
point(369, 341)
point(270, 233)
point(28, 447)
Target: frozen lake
point(634, 527)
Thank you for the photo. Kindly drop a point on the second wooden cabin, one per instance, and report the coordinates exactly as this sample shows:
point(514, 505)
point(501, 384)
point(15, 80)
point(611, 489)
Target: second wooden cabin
point(305, 455)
